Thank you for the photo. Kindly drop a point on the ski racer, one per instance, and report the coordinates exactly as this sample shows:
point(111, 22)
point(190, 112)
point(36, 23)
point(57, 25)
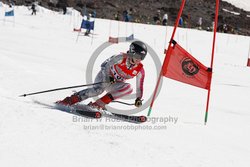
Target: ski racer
point(113, 75)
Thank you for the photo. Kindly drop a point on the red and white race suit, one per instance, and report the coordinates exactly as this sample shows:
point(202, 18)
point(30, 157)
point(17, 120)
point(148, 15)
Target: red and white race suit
point(120, 69)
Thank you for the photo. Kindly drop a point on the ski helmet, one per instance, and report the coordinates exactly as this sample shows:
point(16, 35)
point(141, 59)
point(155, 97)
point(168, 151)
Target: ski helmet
point(138, 50)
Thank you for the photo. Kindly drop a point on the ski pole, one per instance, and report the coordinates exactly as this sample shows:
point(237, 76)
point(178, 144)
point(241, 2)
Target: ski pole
point(129, 104)
point(121, 102)
point(52, 90)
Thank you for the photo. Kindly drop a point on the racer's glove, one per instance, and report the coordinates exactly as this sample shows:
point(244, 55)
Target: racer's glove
point(138, 102)
point(111, 80)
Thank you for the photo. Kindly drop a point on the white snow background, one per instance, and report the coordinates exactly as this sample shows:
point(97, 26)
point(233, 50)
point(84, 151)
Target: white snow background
point(243, 4)
point(40, 52)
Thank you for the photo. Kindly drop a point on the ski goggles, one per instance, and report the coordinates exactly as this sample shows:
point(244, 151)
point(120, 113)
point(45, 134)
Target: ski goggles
point(138, 55)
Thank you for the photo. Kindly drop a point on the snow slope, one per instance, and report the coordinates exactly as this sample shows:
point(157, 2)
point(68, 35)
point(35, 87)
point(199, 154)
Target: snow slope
point(40, 52)
point(243, 4)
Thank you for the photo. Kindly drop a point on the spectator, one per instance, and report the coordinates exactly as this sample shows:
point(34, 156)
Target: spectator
point(225, 28)
point(116, 16)
point(211, 28)
point(33, 8)
point(93, 14)
point(199, 23)
point(125, 16)
point(64, 8)
point(165, 19)
point(181, 22)
point(157, 18)
point(130, 13)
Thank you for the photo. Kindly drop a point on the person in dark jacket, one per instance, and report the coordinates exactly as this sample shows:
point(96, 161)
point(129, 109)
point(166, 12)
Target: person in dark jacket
point(33, 8)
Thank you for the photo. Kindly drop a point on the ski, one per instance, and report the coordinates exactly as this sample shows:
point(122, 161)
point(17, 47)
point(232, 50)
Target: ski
point(99, 114)
point(86, 111)
point(130, 118)
point(91, 114)
point(79, 30)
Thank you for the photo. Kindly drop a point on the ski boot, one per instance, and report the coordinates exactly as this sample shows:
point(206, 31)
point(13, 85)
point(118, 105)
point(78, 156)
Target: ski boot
point(100, 103)
point(69, 101)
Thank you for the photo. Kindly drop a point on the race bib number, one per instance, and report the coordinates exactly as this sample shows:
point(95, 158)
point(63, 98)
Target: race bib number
point(115, 74)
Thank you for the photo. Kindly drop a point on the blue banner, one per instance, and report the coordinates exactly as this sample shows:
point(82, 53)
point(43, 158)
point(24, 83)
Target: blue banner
point(9, 13)
point(89, 25)
point(130, 38)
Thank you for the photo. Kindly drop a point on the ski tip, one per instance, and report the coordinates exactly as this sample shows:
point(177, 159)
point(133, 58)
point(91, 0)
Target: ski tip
point(143, 119)
point(98, 115)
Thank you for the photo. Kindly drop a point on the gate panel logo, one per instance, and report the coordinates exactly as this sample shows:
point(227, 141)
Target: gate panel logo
point(189, 67)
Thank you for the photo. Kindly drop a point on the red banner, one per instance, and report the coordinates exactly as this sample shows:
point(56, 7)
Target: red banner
point(248, 62)
point(113, 40)
point(183, 67)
